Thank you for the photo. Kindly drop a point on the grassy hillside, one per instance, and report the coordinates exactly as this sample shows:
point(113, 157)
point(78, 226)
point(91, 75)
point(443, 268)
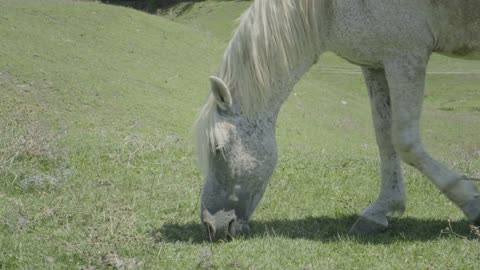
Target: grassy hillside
point(214, 18)
point(97, 168)
point(96, 108)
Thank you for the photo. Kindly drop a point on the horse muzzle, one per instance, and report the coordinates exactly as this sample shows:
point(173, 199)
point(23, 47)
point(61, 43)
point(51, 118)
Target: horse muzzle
point(223, 225)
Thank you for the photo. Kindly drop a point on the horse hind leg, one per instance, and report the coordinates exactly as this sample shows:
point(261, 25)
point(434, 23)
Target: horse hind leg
point(392, 198)
point(406, 80)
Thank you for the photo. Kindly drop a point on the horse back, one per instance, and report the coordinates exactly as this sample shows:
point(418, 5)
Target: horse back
point(366, 32)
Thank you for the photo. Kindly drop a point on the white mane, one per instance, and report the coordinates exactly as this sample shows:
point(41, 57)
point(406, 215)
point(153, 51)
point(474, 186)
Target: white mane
point(271, 39)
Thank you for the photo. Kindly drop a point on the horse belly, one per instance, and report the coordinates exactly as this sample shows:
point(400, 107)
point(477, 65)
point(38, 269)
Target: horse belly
point(467, 55)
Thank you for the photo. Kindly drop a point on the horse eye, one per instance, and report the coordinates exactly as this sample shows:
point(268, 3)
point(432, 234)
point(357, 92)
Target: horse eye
point(222, 111)
point(220, 151)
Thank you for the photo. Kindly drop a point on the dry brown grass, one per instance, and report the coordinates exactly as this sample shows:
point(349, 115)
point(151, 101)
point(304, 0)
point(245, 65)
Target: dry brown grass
point(30, 153)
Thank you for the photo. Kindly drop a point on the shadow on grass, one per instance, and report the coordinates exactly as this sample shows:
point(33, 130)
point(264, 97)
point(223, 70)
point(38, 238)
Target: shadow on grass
point(325, 229)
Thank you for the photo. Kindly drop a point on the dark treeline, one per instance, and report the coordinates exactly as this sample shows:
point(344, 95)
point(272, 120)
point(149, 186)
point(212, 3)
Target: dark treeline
point(147, 5)
point(152, 5)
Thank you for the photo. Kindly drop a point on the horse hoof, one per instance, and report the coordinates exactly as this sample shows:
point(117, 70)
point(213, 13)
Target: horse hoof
point(477, 222)
point(367, 226)
point(472, 211)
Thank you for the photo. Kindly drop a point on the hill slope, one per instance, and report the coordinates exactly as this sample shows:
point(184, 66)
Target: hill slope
point(96, 100)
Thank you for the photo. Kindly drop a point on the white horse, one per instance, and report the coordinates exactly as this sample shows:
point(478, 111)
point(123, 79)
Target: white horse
point(276, 43)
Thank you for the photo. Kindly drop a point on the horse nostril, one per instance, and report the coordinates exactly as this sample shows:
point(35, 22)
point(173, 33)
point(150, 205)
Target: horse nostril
point(221, 225)
point(231, 230)
point(210, 231)
point(245, 228)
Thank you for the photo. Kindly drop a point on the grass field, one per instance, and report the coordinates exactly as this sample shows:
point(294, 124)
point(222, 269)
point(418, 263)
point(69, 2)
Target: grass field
point(97, 168)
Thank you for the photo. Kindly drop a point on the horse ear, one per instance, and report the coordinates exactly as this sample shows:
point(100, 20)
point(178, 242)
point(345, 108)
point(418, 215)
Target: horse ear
point(221, 93)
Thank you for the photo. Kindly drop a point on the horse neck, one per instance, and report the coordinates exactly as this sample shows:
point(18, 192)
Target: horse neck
point(284, 84)
point(274, 45)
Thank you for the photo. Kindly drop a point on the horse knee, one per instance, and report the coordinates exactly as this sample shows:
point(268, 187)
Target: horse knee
point(409, 150)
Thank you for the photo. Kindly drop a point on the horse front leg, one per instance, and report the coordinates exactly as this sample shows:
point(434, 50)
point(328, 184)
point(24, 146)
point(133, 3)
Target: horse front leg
point(392, 197)
point(406, 79)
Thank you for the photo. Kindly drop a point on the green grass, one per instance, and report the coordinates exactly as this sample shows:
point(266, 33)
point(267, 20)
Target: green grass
point(214, 18)
point(97, 167)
